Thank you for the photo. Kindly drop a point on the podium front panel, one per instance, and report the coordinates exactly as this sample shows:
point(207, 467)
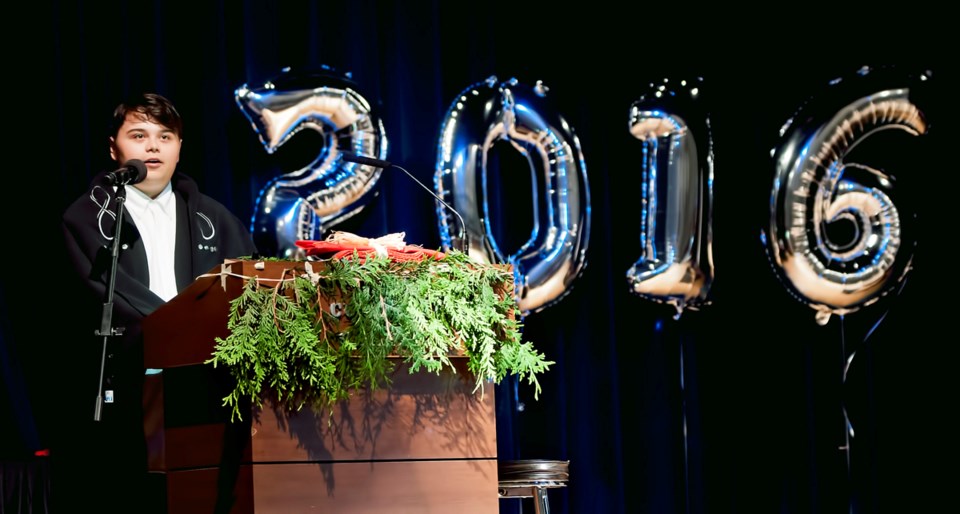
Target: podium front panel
point(426, 443)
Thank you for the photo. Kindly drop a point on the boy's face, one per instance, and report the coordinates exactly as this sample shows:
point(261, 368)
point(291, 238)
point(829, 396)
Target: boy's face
point(154, 144)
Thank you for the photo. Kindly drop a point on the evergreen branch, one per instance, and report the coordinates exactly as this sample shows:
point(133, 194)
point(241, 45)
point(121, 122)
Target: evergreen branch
point(282, 344)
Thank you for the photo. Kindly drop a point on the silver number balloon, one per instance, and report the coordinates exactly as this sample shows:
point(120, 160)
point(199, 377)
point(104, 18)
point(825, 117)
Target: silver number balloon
point(675, 197)
point(305, 203)
point(547, 264)
point(835, 231)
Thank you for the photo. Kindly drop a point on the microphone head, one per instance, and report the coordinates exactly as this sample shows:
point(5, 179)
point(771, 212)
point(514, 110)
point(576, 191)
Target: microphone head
point(138, 169)
point(369, 161)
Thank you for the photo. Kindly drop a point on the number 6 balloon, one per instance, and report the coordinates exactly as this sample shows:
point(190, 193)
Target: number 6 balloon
point(676, 195)
point(305, 203)
point(546, 265)
point(838, 238)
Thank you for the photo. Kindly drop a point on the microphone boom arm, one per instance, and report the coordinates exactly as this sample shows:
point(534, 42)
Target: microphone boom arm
point(464, 238)
point(379, 163)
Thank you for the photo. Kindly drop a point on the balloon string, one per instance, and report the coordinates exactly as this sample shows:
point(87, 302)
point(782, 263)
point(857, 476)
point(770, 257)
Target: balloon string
point(683, 413)
point(848, 432)
point(887, 311)
point(847, 426)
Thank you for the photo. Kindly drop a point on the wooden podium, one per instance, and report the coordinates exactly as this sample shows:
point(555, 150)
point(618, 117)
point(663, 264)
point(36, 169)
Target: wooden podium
point(425, 444)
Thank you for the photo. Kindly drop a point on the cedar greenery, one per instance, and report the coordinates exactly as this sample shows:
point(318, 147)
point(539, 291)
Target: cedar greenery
point(283, 343)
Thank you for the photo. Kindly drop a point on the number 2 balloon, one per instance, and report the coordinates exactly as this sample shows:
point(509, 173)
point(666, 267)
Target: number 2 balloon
point(305, 203)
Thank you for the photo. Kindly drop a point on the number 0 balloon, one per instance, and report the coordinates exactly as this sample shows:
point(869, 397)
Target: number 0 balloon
point(305, 203)
point(546, 265)
point(839, 237)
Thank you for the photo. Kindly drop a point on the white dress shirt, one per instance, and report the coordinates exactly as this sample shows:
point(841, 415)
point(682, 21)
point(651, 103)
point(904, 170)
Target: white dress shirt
point(156, 219)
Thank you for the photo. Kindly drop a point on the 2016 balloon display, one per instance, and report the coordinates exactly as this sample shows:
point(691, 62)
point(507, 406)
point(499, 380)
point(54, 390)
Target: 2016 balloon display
point(676, 195)
point(838, 236)
point(306, 203)
point(554, 255)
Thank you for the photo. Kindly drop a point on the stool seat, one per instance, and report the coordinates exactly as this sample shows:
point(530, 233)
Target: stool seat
point(532, 479)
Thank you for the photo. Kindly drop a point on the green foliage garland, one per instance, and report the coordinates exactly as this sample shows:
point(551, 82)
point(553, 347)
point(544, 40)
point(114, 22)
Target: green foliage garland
point(284, 344)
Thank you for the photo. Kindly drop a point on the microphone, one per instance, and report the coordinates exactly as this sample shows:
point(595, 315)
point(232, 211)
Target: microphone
point(359, 159)
point(378, 163)
point(132, 172)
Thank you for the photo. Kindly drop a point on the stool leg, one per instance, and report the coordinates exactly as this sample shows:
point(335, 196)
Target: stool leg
point(541, 504)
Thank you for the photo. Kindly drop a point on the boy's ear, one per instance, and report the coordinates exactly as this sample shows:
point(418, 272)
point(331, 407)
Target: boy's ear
point(113, 149)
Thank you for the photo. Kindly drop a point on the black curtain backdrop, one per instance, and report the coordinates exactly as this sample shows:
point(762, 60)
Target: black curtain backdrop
point(762, 394)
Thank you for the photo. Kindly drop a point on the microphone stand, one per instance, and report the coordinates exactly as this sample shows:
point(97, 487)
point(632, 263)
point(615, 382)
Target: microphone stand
point(106, 318)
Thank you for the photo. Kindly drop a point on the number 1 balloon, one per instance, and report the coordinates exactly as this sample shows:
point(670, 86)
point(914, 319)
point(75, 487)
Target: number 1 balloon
point(676, 195)
point(837, 236)
point(305, 203)
point(546, 265)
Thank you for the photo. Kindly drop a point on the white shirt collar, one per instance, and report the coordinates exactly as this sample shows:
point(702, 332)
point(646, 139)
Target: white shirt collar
point(137, 199)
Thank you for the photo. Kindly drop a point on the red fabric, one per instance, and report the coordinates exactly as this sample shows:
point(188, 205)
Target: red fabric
point(328, 250)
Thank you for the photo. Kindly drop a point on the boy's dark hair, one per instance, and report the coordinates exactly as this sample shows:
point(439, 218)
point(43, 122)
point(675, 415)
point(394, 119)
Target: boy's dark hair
point(150, 106)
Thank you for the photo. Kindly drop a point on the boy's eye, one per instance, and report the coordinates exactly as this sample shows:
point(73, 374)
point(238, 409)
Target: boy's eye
point(138, 136)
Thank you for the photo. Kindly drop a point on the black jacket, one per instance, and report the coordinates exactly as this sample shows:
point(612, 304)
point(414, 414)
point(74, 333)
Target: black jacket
point(207, 233)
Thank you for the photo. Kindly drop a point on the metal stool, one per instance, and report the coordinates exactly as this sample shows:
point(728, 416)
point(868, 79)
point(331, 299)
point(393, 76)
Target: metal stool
point(531, 479)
